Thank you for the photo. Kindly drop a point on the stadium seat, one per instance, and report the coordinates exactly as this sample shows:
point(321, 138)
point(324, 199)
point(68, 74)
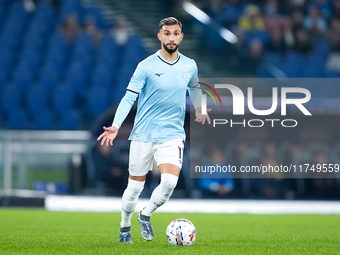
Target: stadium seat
point(3, 4)
point(2, 16)
point(13, 35)
point(262, 36)
point(44, 11)
point(230, 14)
point(49, 80)
point(108, 45)
point(22, 78)
point(97, 101)
point(104, 63)
point(93, 12)
point(70, 120)
point(332, 74)
point(63, 100)
point(58, 44)
point(69, 7)
point(36, 99)
point(274, 58)
point(71, 4)
point(102, 78)
point(322, 48)
point(54, 64)
point(18, 119)
point(43, 120)
point(30, 61)
point(3, 79)
point(17, 9)
point(133, 54)
point(10, 98)
point(2, 122)
point(293, 65)
point(39, 28)
point(134, 47)
point(75, 80)
point(6, 61)
point(83, 47)
point(120, 87)
point(33, 44)
point(81, 65)
point(10, 39)
point(314, 66)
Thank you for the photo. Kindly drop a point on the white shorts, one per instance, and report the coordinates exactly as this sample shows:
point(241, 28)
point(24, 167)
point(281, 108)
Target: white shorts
point(143, 155)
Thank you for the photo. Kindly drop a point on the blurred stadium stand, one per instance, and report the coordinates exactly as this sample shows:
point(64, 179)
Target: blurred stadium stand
point(49, 68)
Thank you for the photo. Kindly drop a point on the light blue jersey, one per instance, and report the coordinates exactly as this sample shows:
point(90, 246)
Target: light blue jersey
point(161, 86)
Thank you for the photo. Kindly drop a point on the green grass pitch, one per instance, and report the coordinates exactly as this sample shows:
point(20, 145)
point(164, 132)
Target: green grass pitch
point(25, 231)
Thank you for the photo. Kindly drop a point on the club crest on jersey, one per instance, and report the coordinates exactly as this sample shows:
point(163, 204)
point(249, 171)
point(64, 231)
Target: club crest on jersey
point(184, 73)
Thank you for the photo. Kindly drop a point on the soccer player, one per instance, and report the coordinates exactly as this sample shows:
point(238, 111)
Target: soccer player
point(160, 83)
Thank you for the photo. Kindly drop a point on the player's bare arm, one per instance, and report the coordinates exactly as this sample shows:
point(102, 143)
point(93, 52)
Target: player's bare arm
point(108, 135)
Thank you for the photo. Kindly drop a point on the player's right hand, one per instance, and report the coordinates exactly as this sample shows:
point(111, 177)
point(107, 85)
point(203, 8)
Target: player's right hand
point(201, 118)
point(108, 135)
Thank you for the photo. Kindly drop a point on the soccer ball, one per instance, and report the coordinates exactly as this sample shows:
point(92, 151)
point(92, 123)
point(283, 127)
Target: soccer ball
point(181, 232)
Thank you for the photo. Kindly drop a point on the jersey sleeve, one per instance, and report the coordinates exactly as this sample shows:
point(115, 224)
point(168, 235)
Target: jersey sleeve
point(138, 79)
point(194, 89)
point(124, 107)
point(135, 86)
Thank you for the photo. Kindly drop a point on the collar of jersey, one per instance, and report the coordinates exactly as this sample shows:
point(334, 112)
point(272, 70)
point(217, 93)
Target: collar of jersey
point(159, 54)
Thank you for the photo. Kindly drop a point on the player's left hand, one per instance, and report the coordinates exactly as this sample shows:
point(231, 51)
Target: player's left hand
point(202, 117)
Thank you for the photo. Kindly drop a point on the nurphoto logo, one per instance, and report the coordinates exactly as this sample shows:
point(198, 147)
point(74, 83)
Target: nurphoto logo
point(288, 97)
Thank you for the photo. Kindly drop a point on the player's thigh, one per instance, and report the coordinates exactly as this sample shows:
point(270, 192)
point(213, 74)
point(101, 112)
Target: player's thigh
point(140, 158)
point(168, 154)
point(169, 169)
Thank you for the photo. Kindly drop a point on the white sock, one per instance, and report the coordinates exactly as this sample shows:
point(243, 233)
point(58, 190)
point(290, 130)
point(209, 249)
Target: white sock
point(161, 193)
point(130, 200)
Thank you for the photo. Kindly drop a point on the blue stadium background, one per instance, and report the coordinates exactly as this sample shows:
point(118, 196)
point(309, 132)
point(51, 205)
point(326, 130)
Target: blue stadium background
point(48, 82)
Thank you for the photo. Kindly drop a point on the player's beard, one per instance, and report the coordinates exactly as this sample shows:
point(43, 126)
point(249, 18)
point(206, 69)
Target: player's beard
point(171, 50)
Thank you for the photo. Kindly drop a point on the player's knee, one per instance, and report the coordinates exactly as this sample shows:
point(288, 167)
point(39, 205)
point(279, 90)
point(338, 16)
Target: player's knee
point(135, 187)
point(169, 181)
